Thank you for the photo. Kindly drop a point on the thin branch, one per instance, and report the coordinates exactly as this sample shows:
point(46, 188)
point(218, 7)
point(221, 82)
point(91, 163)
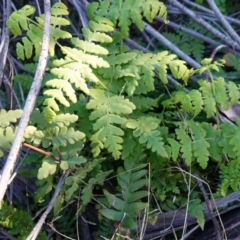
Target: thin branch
point(39, 150)
point(191, 32)
point(81, 13)
point(199, 7)
point(203, 23)
point(5, 38)
point(34, 233)
point(6, 81)
point(30, 103)
point(224, 22)
point(135, 45)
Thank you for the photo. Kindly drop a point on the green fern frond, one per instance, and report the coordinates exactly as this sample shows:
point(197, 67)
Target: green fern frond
point(229, 174)
point(35, 30)
point(233, 92)
point(186, 145)
point(227, 131)
point(7, 133)
point(212, 137)
point(175, 148)
point(210, 105)
point(65, 135)
point(32, 134)
point(124, 13)
point(89, 47)
point(73, 182)
point(136, 70)
point(197, 101)
point(87, 190)
point(189, 45)
point(7, 117)
point(221, 95)
point(200, 146)
point(17, 222)
point(18, 20)
point(125, 207)
point(148, 134)
point(108, 112)
point(144, 103)
point(73, 72)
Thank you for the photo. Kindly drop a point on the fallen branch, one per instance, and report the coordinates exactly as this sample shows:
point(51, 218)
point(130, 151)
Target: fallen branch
point(28, 108)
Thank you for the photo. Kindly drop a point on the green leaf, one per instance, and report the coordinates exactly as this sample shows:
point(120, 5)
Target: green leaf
point(107, 111)
point(72, 162)
point(233, 92)
point(64, 165)
point(57, 205)
point(197, 101)
point(186, 145)
point(212, 137)
point(48, 113)
point(114, 201)
point(195, 209)
point(96, 36)
point(47, 185)
point(87, 194)
point(6, 135)
point(146, 129)
point(227, 131)
point(7, 117)
point(175, 147)
point(208, 98)
point(65, 86)
point(221, 96)
point(128, 222)
point(65, 119)
point(89, 46)
point(65, 135)
point(111, 214)
point(18, 20)
point(48, 167)
point(71, 181)
point(135, 206)
point(137, 196)
point(199, 145)
point(59, 9)
point(33, 135)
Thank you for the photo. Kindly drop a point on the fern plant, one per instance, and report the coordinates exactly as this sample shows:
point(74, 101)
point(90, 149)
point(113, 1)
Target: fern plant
point(17, 222)
point(101, 100)
point(190, 45)
point(131, 179)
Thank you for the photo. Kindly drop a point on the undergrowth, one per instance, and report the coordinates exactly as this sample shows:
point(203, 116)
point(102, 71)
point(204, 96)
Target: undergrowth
point(102, 103)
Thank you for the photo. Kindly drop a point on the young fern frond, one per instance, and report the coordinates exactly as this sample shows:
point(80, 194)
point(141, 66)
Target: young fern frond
point(146, 129)
point(76, 69)
point(108, 113)
point(136, 70)
point(19, 21)
point(123, 13)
